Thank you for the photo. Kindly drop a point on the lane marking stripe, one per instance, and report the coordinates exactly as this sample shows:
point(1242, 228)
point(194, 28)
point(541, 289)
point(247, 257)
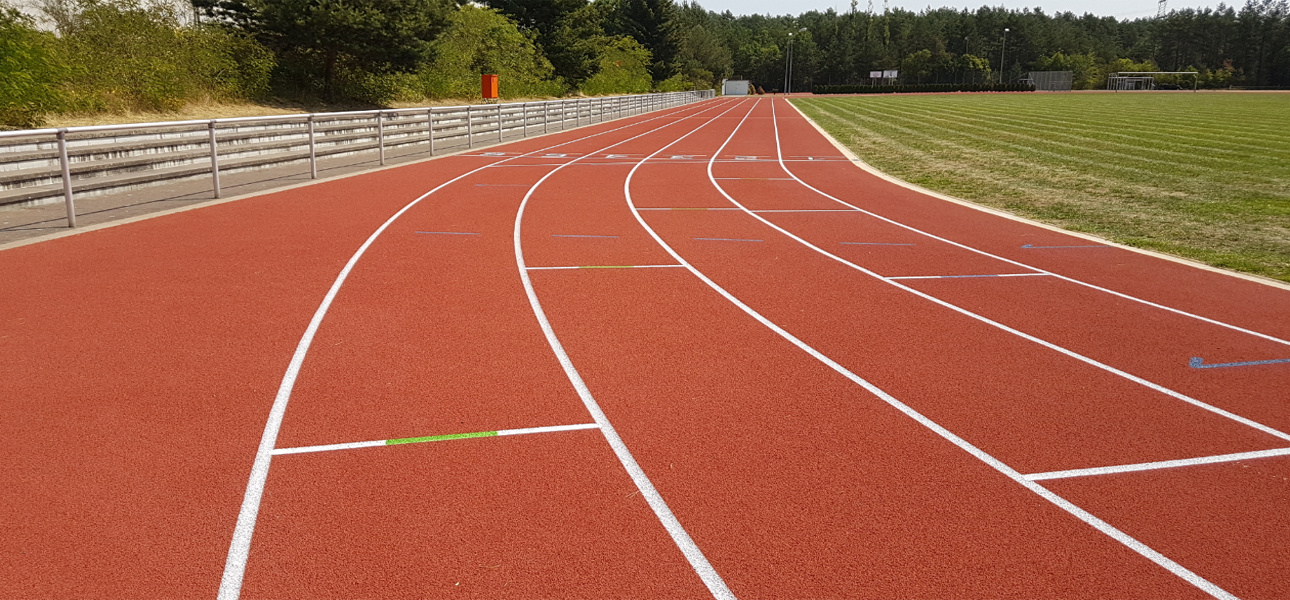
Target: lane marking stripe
point(969, 276)
point(687, 209)
point(727, 240)
point(449, 233)
point(603, 267)
point(230, 587)
point(963, 311)
point(881, 175)
point(870, 243)
point(1197, 362)
point(1164, 464)
point(805, 210)
point(693, 554)
point(582, 236)
point(1029, 246)
point(432, 438)
point(1066, 505)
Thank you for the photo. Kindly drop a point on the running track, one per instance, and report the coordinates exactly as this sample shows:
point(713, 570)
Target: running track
point(812, 383)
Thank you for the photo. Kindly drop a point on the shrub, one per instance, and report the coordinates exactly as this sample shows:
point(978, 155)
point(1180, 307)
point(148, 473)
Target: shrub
point(624, 69)
point(127, 55)
point(28, 72)
point(479, 41)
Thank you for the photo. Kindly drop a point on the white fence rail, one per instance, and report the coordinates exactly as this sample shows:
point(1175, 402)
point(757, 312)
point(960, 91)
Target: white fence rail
point(41, 165)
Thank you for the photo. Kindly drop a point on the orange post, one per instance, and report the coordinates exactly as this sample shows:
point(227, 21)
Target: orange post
point(489, 87)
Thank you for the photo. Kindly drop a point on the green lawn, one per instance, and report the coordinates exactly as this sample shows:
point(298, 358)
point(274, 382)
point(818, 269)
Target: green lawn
point(1200, 175)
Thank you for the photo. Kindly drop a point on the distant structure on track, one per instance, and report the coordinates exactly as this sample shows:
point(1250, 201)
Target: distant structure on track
point(1050, 81)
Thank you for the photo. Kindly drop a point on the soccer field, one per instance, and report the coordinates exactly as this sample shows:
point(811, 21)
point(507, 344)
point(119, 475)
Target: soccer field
point(1200, 175)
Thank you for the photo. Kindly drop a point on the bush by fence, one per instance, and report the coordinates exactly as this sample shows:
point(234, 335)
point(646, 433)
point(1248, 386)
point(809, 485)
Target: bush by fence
point(925, 88)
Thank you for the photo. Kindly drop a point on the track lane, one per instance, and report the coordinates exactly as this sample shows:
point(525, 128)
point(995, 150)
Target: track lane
point(389, 366)
point(1224, 575)
point(136, 362)
point(725, 400)
point(1102, 526)
point(1259, 404)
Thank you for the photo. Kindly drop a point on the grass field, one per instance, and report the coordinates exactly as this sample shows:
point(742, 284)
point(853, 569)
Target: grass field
point(1205, 176)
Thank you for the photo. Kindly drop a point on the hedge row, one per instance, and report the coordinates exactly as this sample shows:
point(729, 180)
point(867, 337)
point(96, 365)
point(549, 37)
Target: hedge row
point(923, 88)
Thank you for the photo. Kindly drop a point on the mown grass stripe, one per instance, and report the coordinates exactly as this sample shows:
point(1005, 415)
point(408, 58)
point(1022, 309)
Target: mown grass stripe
point(440, 438)
point(1172, 173)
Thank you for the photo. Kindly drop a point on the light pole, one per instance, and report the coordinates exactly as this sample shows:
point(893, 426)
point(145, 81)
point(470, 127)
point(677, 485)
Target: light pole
point(1002, 51)
point(788, 61)
point(788, 64)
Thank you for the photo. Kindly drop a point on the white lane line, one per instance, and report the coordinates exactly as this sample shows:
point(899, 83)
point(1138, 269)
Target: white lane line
point(230, 587)
point(996, 464)
point(968, 276)
point(328, 447)
point(805, 210)
point(690, 209)
point(891, 179)
point(603, 267)
point(963, 311)
point(432, 438)
point(707, 573)
point(552, 429)
point(1164, 464)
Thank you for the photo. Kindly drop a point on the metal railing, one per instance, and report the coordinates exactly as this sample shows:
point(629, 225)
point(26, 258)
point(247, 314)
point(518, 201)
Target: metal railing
point(262, 141)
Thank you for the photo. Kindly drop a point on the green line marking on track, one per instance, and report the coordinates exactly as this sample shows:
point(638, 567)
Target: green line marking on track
point(440, 438)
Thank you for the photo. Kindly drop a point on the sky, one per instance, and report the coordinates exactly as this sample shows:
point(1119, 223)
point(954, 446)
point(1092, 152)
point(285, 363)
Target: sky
point(1120, 9)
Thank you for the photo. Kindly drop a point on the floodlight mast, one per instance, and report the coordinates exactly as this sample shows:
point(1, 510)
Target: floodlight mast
point(1002, 51)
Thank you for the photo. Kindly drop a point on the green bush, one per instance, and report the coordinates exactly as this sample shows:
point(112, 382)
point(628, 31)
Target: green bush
point(482, 41)
point(675, 83)
point(127, 55)
point(624, 69)
point(29, 73)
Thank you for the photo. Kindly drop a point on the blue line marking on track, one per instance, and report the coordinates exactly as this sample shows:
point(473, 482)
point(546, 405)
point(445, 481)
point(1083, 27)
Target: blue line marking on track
point(1197, 362)
point(449, 233)
point(1028, 246)
point(582, 236)
point(727, 240)
point(873, 244)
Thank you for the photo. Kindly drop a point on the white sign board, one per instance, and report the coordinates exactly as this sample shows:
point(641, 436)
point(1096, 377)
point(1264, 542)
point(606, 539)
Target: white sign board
point(735, 87)
point(890, 74)
point(875, 74)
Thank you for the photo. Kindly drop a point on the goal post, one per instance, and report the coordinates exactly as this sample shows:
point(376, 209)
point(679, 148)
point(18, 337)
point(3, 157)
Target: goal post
point(1127, 81)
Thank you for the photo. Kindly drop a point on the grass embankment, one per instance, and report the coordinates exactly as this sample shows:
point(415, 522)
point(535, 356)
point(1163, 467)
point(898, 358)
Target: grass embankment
point(1205, 176)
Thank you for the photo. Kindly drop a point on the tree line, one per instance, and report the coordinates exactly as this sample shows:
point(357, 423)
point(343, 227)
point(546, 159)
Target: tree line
point(111, 55)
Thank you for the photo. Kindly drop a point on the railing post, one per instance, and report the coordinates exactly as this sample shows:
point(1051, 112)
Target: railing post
point(430, 128)
point(380, 134)
point(499, 122)
point(526, 119)
point(546, 108)
point(214, 159)
point(562, 117)
point(67, 178)
point(470, 132)
point(313, 154)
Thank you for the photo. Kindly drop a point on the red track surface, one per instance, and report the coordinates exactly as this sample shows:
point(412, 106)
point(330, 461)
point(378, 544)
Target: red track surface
point(141, 363)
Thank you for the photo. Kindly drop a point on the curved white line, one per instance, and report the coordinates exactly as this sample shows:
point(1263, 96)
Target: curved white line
point(1099, 288)
point(1071, 353)
point(683, 541)
point(235, 564)
point(1083, 515)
